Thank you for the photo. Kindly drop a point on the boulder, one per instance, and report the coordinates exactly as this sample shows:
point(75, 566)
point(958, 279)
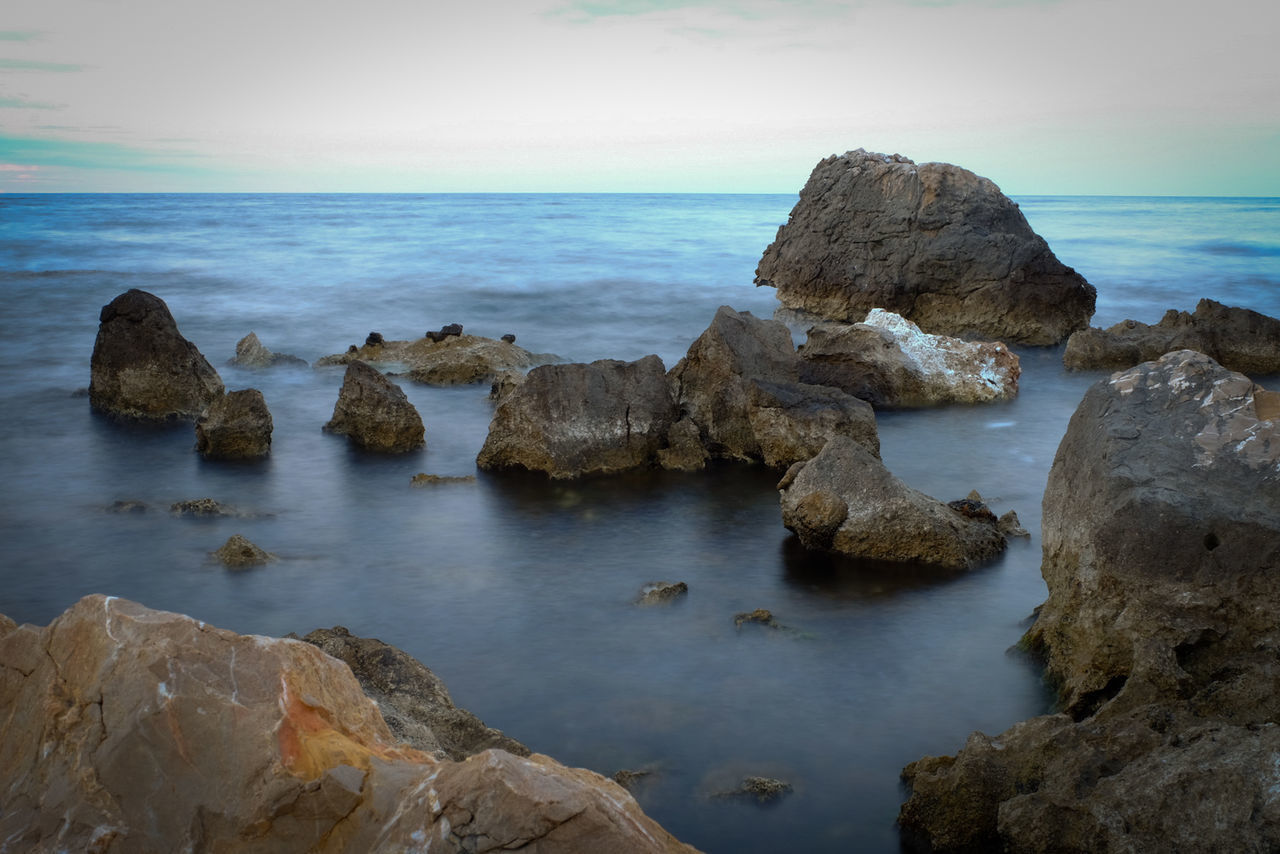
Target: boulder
point(932, 242)
point(142, 368)
point(740, 383)
point(575, 419)
point(890, 363)
point(250, 353)
point(238, 553)
point(1236, 338)
point(235, 426)
point(845, 500)
point(128, 729)
point(374, 413)
point(446, 358)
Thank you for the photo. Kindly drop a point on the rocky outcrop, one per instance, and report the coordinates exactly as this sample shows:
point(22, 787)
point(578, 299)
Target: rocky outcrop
point(740, 384)
point(1161, 539)
point(374, 413)
point(845, 500)
point(890, 363)
point(142, 368)
point(575, 419)
point(250, 353)
point(1236, 338)
point(239, 553)
point(932, 242)
point(445, 359)
point(413, 701)
point(662, 593)
point(235, 426)
point(127, 729)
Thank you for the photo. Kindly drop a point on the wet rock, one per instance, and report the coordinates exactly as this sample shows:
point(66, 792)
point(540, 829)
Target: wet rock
point(1011, 526)
point(250, 353)
point(235, 426)
point(932, 242)
point(662, 593)
point(684, 451)
point(627, 778)
point(202, 507)
point(238, 553)
point(375, 414)
point(373, 339)
point(576, 419)
point(128, 729)
point(1236, 338)
point(424, 479)
point(446, 359)
point(142, 368)
point(890, 363)
point(127, 506)
point(845, 500)
point(762, 790)
point(760, 616)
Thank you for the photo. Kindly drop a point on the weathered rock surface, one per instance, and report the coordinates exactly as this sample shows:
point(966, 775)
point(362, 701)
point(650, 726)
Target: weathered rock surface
point(740, 383)
point(1236, 338)
point(238, 553)
point(450, 359)
point(575, 419)
point(762, 790)
point(422, 479)
point(1162, 630)
point(250, 353)
point(127, 729)
point(235, 426)
point(203, 507)
point(845, 500)
point(890, 363)
point(374, 413)
point(684, 451)
point(662, 593)
point(142, 368)
point(413, 701)
point(932, 242)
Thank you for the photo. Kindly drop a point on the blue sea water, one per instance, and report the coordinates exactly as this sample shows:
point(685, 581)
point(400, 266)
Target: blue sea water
point(518, 591)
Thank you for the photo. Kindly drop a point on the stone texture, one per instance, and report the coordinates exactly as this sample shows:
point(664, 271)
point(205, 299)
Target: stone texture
point(739, 382)
point(128, 729)
point(235, 426)
point(932, 242)
point(203, 507)
point(1236, 338)
point(238, 553)
point(422, 479)
point(845, 500)
point(890, 363)
point(250, 353)
point(684, 451)
point(576, 419)
point(453, 359)
point(374, 413)
point(142, 368)
point(662, 593)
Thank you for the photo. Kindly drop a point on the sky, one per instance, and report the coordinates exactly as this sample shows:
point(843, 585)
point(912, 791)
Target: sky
point(1113, 97)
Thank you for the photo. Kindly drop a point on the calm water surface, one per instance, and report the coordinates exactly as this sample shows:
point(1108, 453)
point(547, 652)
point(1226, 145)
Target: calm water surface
point(518, 591)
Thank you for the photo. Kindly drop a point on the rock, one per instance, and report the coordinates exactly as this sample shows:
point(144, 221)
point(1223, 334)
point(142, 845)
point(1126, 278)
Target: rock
point(202, 507)
point(142, 368)
point(239, 553)
point(413, 701)
point(373, 339)
point(627, 778)
point(453, 359)
point(127, 506)
point(763, 790)
point(375, 414)
point(6, 625)
point(662, 593)
point(684, 451)
point(934, 243)
point(424, 479)
point(128, 729)
point(235, 426)
point(576, 419)
point(509, 338)
point(888, 362)
point(1011, 526)
point(760, 616)
point(250, 353)
point(504, 382)
point(739, 383)
point(845, 500)
point(1236, 338)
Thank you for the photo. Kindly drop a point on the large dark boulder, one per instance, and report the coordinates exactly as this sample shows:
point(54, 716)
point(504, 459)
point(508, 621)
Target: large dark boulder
point(142, 368)
point(235, 426)
point(932, 242)
point(374, 413)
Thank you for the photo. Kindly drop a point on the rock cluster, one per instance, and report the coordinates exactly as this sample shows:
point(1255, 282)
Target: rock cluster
point(1162, 630)
point(446, 357)
point(932, 242)
point(142, 368)
point(235, 426)
point(1236, 338)
point(250, 353)
point(374, 413)
point(146, 731)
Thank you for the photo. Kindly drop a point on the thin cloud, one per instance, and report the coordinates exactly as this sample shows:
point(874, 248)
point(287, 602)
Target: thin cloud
point(20, 35)
point(7, 101)
point(76, 154)
point(37, 65)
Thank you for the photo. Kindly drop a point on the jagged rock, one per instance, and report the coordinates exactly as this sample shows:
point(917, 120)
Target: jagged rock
point(504, 382)
point(238, 553)
point(662, 593)
point(762, 790)
point(934, 242)
point(424, 479)
point(1236, 338)
point(739, 382)
point(142, 367)
point(202, 507)
point(374, 413)
point(413, 701)
point(235, 426)
point(449, 359)
point(627, 778)
point(684, 451)
point(888, 362)
point(845, 500)
point(1011, 526)
point(576, 419)
point(127, 729)
point(250, 353)
point(760, 616)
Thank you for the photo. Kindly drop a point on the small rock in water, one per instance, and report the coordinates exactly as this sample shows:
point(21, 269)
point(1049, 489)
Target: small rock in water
point(763, 789)
point(1010, 526)
point(973, 509)
point(627, 778)
point(424, 479)
point(662, 592)
point(237, 552)
point(202, 507)
point(127, 506)
point(759, 615)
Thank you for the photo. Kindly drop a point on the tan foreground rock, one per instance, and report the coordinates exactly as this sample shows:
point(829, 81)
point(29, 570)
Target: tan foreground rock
point(128, 729)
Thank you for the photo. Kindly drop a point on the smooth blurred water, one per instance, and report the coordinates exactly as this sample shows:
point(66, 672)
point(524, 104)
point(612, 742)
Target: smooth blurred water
point(518, 591)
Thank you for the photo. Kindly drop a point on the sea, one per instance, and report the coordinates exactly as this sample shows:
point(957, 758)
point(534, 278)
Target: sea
point(519, 591)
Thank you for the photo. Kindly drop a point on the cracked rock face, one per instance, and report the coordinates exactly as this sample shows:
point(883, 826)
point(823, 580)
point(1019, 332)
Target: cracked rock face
point(932, 242)
point(127, 729)
point(374, 413)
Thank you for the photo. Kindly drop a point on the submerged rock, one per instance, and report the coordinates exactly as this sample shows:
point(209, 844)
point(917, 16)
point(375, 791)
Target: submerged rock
point(250, 353)
point(238, 553)
point(932, 242)
point(374, 413)
point(760, 617)
point(423, 479)
point(762, 790)
point(235, 426)
point(202, 507)
point(142, 368)
point(662, 593)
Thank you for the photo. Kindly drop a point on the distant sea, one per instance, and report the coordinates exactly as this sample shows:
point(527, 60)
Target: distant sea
point(518, 591)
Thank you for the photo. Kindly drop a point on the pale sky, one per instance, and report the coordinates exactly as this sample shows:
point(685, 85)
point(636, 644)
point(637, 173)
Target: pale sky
point(1126, 97)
